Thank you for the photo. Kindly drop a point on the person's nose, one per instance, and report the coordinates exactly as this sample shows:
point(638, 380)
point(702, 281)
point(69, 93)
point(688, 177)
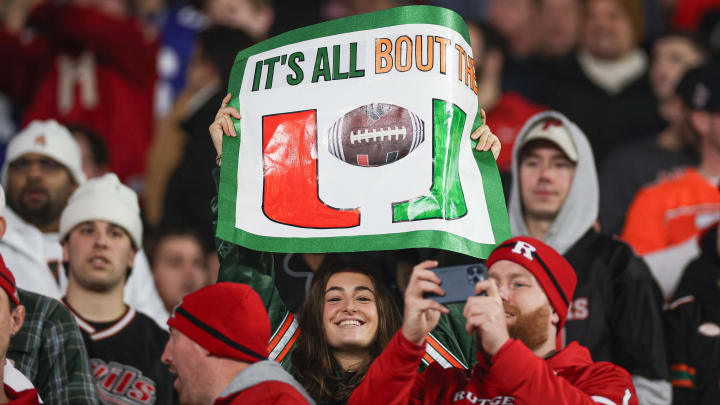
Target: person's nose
point(502, 291)
point(34, 171)
point(350, 306)
point(545, 171)
point(101, 239)
point(166, 357)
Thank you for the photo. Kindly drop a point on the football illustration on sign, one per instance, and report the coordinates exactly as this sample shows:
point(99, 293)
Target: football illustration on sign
point(375, 135)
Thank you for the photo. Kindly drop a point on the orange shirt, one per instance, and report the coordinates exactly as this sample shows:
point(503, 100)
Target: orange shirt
point(671, 211)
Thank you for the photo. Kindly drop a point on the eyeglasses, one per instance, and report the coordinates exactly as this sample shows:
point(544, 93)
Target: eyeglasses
point(46, 165)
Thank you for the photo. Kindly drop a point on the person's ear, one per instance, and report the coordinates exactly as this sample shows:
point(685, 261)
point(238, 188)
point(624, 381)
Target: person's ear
point(3, 226)
point(700, 122)
point(65, 248)
point(17, 317)
point(131, 259)
point(554, 317)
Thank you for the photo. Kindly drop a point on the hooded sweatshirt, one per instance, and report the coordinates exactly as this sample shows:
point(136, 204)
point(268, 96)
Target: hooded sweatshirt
point(264, 382)
point(581, 205)
point(616, 308)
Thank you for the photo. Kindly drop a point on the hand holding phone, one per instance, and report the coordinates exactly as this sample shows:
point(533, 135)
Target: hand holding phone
point(458, 282)
point(421, 315)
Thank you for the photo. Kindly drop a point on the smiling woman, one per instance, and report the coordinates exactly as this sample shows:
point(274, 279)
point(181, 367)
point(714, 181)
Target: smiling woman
point(346, 321)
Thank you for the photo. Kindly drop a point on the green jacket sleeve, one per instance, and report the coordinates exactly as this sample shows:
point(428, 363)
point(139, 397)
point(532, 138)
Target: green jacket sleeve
point(256, 269)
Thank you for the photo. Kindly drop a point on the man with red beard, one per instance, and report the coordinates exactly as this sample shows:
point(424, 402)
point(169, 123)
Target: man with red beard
point(517, 316)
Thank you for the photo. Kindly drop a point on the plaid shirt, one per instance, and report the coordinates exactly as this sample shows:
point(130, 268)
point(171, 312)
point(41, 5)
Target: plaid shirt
point(49, 350)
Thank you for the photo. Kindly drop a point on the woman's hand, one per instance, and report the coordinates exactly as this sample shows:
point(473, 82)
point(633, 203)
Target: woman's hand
point(486, 139)
point(223, 124)
point(421, 314)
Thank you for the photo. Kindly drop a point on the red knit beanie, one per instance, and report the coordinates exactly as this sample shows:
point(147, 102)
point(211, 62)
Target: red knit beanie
point(555, 275)
point(227, 319)
point(7, 282)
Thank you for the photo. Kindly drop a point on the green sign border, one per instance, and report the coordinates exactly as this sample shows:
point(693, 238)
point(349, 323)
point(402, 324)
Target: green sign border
point(414, 239)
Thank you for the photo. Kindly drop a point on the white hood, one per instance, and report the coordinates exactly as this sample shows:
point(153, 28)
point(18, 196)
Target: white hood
point(580, 209)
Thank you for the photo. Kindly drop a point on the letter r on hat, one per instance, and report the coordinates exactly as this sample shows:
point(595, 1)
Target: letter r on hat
point(524, 249)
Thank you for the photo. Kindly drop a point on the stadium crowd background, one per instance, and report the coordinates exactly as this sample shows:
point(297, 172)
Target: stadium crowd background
point(138, 82)
point(188, 46)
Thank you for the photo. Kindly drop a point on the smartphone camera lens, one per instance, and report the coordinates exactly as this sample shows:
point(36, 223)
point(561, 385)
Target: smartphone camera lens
point(473, 274)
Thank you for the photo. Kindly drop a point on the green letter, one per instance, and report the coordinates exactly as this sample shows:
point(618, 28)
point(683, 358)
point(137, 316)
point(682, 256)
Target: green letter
point(353, 62)
point(336, 64)
point(293, 64)
point(258, 74)
point(271, 70)
point(322, 66)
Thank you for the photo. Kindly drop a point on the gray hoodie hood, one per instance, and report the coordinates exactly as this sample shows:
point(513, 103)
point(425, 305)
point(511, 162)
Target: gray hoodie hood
point(262, 371)
point(580, 209)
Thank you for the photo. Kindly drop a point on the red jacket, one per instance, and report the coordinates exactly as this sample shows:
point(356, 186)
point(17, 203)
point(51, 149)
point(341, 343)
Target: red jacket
point(269, 392)
point(514, 376)
point(84, 67)
point(26, 397)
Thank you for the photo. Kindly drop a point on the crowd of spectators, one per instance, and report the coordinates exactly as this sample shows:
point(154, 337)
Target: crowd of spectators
point(608, 112)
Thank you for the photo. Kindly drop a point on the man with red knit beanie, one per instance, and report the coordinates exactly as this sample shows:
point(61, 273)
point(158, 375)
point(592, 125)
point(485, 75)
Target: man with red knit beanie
point(516, 316)
point(218, 350)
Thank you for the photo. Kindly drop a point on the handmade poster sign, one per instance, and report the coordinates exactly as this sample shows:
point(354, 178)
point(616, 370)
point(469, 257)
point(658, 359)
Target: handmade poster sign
point(356, 136)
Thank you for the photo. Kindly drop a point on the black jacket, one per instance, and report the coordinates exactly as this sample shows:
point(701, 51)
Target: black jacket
point(617, 307)
point(693, 329)
point(191, 185)
point(702, 276)
point(608, 120)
